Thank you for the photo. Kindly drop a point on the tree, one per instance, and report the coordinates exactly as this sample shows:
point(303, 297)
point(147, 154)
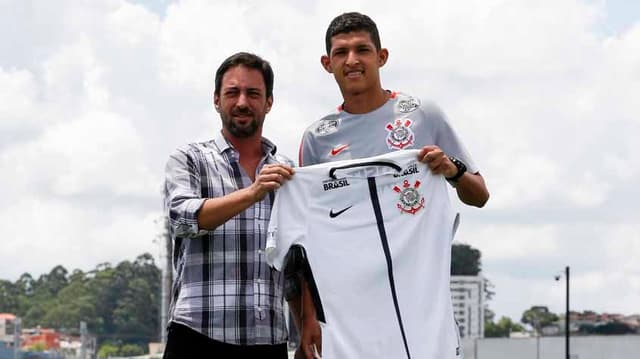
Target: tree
point(613, 328)
point(8, 297)
point(120, 303)
point(25, 284)
point(50, 284)
point(465, 260)
point(74, 303)
point(108, 349)
point(131, 350)
point(538, 317)
point(37, 347)
point(503, 328)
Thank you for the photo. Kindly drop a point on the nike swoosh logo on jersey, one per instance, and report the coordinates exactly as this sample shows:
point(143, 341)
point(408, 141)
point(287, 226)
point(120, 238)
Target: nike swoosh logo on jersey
point(333, 214)
point(336, 150)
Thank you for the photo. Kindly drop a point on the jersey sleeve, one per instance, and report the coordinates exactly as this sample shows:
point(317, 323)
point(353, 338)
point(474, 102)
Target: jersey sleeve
point(288, 222)
point(306, 153)
point(446, 137)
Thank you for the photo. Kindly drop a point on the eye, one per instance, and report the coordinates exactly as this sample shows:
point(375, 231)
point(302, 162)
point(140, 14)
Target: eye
point(255, 94)
point(230, 92)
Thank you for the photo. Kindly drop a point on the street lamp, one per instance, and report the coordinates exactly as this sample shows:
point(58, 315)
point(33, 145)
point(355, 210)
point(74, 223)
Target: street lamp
point(566, 316)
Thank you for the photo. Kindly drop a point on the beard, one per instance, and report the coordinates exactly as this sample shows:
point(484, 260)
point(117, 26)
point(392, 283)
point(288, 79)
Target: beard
point(241, 131)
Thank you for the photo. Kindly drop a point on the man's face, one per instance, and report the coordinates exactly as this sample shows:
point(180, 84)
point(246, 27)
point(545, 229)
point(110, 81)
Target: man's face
point(355, 62)
point(242, 102)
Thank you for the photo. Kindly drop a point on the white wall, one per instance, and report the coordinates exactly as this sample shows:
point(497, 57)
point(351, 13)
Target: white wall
point(584, 347)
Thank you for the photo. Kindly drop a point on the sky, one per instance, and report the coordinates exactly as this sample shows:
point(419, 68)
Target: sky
point(94, 96)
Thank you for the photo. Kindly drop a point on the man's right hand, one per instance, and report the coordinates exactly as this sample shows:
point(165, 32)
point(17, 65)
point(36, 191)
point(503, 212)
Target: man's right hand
point(270, 178)
point(311, 337)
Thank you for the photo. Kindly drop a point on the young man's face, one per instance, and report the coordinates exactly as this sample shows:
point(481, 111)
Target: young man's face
point(355, 62)
point(242, 102)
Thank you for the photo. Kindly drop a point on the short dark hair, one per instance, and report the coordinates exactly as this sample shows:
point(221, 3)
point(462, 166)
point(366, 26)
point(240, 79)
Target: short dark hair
point(251, 61)
point(349, 22)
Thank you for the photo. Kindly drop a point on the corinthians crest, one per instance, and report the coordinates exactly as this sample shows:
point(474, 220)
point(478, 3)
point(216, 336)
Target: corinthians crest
point(410, 199)
point(400, 134)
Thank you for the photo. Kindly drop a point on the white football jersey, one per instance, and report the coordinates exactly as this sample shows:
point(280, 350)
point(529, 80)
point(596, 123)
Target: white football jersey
point(377, 233)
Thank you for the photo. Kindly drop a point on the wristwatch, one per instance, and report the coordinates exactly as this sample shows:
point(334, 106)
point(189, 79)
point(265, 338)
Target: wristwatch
point(462, 168)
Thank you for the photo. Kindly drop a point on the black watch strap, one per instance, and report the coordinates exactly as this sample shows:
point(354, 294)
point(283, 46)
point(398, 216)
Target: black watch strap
point(462, 168)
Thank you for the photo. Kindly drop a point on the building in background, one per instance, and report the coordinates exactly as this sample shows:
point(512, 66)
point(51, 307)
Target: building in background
point(467, 296)
point(47, 338)
point(7, 327)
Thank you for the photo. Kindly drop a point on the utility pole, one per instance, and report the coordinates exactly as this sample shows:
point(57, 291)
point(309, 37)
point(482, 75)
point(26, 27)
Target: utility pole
point(566, 321)
point(167, 278)
point(567, 325)
point(83, 340)
point(17, 330)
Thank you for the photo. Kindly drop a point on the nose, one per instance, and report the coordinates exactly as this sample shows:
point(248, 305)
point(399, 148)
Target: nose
point(243, 100)
point(352, 58)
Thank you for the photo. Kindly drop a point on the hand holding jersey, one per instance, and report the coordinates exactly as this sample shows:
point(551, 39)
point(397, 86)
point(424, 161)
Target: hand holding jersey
point(437, 161)
point(269, 179)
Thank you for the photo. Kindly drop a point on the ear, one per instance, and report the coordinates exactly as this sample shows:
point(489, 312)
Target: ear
point(216, 102)
point(326, 63)
point(268, 104)
point(383, 56)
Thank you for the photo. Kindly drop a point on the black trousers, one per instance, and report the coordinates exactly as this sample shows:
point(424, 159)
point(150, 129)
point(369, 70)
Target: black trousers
point(186, 343)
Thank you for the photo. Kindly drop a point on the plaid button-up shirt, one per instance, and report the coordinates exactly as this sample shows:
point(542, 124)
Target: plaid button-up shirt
point(223, 287)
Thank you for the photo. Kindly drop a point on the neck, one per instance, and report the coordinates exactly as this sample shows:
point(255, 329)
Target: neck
point(247, 147)
point(363, 102)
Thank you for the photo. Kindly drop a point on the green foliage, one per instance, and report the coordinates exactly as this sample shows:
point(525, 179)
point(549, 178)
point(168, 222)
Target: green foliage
point(612, 328)
point(108, 349)
point(538, 317)
point(131, 350)
point(465, 260)
point(9, 294)
point(119, 303)
point(37, 347)
point(503, 328)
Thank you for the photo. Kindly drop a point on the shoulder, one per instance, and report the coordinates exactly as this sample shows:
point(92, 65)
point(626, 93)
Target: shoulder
point(315, 138)
point(192, 153)
point(190, 149)
point(326, 125)
point(407, 103)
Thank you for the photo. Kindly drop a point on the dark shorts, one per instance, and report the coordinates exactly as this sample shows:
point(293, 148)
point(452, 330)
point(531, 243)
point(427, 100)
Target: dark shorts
point(184, 343)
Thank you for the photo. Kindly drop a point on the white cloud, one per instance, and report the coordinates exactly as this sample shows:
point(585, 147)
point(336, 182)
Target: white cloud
point(509, 241)
point(56, 232)
point(195, 37)
point(17, 97)
point(133, 25)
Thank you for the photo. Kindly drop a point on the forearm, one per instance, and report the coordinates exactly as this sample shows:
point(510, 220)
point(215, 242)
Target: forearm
point(295, 307)
point(216, 211)
point(302, 307)
point(308, 307)
point(472, 190)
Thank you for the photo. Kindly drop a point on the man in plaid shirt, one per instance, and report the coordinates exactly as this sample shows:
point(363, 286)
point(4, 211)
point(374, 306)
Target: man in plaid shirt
point(226, 301)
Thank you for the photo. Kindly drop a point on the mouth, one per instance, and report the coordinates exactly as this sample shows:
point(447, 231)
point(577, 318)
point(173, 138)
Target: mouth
point(354, 74)
point(242, 114)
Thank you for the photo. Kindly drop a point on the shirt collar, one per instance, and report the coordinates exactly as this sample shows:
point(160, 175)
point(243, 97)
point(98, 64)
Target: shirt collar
point(223, 145)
